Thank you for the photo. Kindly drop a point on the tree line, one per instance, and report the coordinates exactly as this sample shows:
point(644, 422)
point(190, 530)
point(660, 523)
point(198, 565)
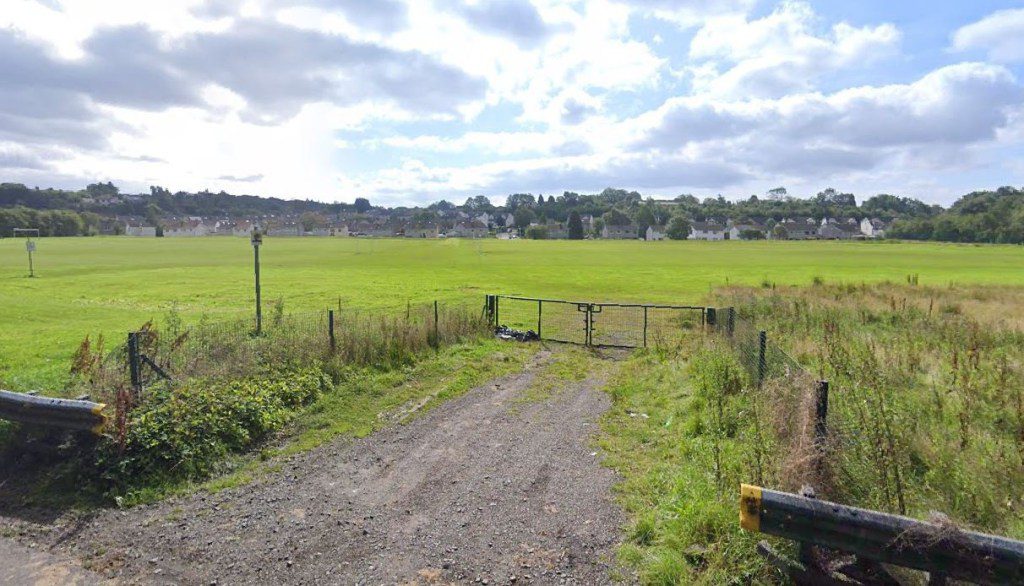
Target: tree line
point(980, 216)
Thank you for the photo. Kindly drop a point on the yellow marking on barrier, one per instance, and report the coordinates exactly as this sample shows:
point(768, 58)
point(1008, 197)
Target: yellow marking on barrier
point(99, 427)
point(750, 507)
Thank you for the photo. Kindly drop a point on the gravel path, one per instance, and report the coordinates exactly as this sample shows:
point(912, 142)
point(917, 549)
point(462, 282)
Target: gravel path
point(23, 565)
point(483, 488)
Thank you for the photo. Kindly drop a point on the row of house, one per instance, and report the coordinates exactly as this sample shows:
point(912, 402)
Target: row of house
point(791, 229)
point(474, 226)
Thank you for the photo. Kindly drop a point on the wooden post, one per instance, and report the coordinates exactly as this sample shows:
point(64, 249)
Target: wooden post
point(437, 339)
point(330, 329)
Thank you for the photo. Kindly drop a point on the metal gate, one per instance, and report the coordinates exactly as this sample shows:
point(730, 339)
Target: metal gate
point(625, 325)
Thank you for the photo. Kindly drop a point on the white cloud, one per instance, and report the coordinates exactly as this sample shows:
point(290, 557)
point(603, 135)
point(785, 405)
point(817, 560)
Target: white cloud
point(781, 52)
point(1001, 34)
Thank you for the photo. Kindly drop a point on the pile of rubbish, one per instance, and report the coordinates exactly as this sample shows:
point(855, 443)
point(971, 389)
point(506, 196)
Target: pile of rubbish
point(507, 333)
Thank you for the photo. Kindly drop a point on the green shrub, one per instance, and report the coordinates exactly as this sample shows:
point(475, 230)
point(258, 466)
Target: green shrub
point(184, 432)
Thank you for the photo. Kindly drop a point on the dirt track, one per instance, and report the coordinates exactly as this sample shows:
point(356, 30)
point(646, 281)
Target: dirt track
point(484, 487)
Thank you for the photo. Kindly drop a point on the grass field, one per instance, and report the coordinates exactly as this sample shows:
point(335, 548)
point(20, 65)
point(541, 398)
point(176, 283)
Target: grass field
point(110, 285)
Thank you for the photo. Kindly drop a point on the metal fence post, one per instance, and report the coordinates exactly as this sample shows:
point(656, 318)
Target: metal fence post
point(711, 317)
point(762, 348)
point(330, 329)
point(645, 326)
point(437, 335)
point(732, 320)
point(134, 366)
point(497, 307)
point(540, 309)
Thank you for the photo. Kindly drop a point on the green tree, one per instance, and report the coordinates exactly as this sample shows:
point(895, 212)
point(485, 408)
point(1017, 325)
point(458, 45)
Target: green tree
point(575, 226)
point(362, 205)
point(537, 233)
point(519, 200)
point(678, 228)
point(523, 216)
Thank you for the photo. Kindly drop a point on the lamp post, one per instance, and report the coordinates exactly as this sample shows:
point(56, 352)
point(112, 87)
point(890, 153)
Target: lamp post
point(257, 240)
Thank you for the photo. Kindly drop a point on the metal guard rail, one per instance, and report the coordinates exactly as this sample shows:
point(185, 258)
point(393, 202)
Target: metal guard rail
point(885, 538)
point(63, 413)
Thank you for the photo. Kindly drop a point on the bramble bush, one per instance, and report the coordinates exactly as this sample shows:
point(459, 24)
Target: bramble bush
point(182, 433)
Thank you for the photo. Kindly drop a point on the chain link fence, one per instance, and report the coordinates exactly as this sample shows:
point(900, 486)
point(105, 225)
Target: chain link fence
point(789, 401)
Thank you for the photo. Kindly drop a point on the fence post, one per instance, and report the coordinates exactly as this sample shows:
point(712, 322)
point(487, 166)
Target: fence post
point(134, 366)
point(496, 308)
point(762, 348)
point(540, 306)
point(711, 317)
point(820, 414)
point(732, 320)
point(645, 326)
point(330, 329)
point(437, 335)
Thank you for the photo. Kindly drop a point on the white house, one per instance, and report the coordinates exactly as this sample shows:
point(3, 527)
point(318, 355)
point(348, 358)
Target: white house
point(655, 233)
point(471, 229)
point(193, 227)
point(737, 231)
point(873, 228)
point(706, 231)
point(620, 232)
point(139, 231)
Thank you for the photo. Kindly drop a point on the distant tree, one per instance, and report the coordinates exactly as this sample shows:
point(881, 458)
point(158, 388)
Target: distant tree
point(537, 233)
point(779, 232)
point(518, 200)
point(101, 189)
point(598, 226)
point(644, 219)
point(153, 215)
point(478, 203)
point(442, 206)
point(362, 205)
point(312, 221)
point(751, 234)
point(777, 193)
point(523, 216)
point(678, 228)
point(614, 217)
point(575, 226)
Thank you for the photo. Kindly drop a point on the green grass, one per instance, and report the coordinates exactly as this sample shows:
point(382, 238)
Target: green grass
point(926, 414)
point(110, 285)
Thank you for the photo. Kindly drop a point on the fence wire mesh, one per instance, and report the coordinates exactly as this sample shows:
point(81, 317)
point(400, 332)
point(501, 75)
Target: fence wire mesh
point(598, 324)
point(232, 348)
point(786, 406)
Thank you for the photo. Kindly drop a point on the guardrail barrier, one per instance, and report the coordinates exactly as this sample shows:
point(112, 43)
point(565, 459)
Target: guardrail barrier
point(63, 413)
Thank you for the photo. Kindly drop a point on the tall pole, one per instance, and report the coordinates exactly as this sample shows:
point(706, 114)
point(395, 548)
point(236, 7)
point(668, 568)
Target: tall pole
point(257, 239)
point(30, 246)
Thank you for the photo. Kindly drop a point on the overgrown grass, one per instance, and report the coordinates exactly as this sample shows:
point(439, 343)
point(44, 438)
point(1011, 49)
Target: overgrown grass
point(927, 398)
point(926, 415)
point(680, 434)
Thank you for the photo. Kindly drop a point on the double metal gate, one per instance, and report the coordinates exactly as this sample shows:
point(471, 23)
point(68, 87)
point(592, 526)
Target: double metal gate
point(625, 325)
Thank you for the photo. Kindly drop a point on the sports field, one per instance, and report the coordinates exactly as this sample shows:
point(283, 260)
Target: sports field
point(110, 285)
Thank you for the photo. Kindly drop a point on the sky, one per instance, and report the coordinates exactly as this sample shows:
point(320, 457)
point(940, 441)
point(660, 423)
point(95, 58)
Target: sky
point(409, 102)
